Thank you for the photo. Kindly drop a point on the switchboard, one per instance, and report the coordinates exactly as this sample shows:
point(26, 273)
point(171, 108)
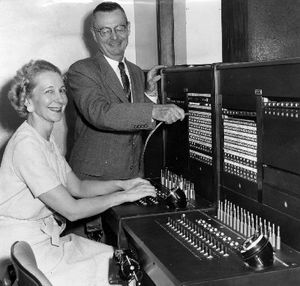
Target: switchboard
point(236, 159)
point(196, 248)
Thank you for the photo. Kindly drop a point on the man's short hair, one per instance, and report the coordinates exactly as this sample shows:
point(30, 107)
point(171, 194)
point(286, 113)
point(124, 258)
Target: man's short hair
point(108, 7)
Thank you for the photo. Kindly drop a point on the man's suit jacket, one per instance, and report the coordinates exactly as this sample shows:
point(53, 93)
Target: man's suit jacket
point(108, 140)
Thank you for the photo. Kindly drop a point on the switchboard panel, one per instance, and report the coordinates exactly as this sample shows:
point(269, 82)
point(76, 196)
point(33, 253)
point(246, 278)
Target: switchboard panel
point(265, 97)
point(189, 145)
point(238, 132)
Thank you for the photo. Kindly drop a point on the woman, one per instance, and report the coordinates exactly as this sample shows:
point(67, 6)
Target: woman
point(36, 184)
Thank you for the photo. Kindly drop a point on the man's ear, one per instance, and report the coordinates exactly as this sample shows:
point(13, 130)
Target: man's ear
point(94, 34)
point(128, 27)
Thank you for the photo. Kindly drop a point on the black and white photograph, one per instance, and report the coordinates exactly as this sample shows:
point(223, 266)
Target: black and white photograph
point(149, 142)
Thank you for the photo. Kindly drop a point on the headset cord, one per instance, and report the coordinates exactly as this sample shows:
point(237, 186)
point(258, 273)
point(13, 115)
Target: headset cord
point(147, 140)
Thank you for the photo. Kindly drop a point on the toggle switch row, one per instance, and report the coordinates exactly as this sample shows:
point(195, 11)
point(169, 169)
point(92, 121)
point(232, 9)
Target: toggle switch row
point(201, 235)
point(246, 223)
point(170, 180)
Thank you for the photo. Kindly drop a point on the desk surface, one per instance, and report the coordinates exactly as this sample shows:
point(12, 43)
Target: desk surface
point(169, 259)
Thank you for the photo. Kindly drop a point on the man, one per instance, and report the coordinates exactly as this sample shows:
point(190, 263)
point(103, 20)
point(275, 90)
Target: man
point(112, 103)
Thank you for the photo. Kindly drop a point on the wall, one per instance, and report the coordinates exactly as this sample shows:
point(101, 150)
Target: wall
point(198, 31)
point(260, 30)
point(273, 29)
point(145, 33)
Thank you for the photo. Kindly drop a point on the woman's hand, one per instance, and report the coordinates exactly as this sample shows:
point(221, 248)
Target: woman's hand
point(138, 188)
point(128, 184)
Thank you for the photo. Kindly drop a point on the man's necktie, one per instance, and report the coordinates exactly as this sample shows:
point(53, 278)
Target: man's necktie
point(125, 80)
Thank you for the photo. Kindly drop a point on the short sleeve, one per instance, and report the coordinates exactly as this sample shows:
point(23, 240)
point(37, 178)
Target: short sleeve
point(32, 167)
point(64, 165)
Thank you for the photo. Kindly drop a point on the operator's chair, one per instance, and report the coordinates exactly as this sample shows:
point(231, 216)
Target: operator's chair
point(27, 271)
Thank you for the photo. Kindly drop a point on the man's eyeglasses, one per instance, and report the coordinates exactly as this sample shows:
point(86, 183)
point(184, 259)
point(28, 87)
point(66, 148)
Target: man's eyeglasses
point(106, 32)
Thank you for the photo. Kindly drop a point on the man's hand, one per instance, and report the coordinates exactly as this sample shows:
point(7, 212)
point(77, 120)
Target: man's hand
point(168, 113)
point(152, 79)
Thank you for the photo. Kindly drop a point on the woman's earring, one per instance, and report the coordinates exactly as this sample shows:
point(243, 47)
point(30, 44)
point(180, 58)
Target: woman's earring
point(29, 108)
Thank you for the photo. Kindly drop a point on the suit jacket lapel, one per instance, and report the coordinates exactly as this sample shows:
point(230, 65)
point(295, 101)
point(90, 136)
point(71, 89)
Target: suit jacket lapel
point(111, 77)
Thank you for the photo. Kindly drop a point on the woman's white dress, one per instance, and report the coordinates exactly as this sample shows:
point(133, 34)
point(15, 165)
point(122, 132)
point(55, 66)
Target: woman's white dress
point(30, 167)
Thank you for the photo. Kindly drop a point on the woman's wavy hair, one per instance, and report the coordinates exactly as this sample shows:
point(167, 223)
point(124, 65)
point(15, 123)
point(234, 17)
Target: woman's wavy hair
point(24, 83)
